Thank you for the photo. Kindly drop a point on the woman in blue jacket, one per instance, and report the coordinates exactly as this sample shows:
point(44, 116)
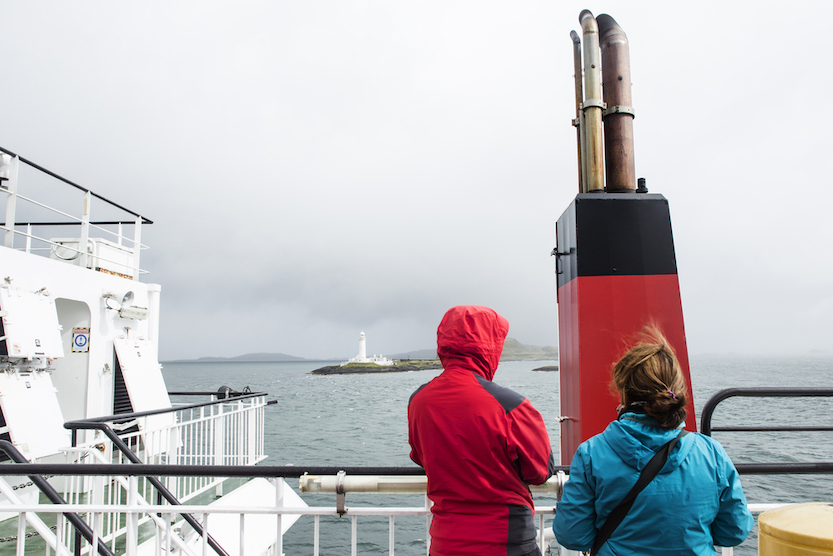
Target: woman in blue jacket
point(694, 503)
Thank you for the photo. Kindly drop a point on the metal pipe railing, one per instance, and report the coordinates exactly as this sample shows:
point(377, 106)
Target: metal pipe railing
point(78, 424)
point(98, 424)
point(49, 491)
point(75, 185)
point(711, 404)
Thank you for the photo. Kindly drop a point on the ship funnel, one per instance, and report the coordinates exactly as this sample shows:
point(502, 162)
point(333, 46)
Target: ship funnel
point(616, 268)
point(606, 59)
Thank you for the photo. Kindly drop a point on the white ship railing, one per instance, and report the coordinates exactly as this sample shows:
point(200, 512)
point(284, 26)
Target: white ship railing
point(224, 433)
point(160, 522)
point(96, 247)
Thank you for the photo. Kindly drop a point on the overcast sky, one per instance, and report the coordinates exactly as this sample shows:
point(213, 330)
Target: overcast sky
point(315, 169)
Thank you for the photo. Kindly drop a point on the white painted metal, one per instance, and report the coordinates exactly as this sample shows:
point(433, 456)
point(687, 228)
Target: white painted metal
point(132, 517)
point(21, 534)
point(354, 536)
point(30, 498)
point(391, 529)
point(316, 533)
point(260, 526)
point(143, 379)
point(218, 512)
point(101, 254)
point(395, 484)
point(71, 377)
point(30, 322)
point(85, 233)
point(32, 413)
point(10, 186)
point(137, 246)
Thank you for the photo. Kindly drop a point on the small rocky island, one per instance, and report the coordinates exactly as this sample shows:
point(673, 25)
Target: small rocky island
point(548, 368)
point(401, 366)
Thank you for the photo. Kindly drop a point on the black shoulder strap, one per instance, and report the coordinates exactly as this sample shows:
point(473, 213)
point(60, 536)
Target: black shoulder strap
point(619, 512)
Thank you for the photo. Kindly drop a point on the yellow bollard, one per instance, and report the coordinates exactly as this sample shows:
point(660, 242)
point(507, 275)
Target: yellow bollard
point(802, 529)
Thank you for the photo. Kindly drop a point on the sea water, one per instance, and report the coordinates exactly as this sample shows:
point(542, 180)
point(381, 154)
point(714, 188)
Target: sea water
point(360, 420)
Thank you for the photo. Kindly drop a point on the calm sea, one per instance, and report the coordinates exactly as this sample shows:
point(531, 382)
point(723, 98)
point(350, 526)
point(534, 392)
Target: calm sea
point(355, 420)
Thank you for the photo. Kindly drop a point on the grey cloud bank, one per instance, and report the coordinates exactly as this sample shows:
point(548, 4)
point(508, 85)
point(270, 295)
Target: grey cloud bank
point(315, 169)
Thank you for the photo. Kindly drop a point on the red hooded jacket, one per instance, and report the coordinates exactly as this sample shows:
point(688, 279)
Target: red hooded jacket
point(480, 443)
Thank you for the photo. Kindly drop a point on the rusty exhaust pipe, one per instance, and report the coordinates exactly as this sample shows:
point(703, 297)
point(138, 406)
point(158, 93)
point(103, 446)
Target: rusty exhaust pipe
point(592, 105)
point(618, 115)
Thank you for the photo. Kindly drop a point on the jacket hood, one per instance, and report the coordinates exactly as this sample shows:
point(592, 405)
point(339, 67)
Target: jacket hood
point(471, 336)
point(635, 438)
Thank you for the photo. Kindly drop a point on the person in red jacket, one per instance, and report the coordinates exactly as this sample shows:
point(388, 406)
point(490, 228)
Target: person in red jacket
point(480, 444)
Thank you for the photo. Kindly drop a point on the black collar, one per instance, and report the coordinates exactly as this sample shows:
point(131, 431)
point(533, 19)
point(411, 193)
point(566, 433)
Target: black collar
point(633, 407)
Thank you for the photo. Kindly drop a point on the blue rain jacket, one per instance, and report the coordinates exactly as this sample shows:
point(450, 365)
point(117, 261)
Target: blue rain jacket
point(695, 501)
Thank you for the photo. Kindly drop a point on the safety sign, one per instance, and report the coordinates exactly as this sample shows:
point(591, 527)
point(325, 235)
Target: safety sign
point(80, 340)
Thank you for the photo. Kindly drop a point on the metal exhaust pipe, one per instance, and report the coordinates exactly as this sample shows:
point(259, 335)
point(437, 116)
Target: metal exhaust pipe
point(618, 115)
point(579, 121)
point(592, 105)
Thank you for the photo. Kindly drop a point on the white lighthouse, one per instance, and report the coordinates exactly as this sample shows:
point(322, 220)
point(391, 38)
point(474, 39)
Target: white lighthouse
point(362, 348)
point(363, 358)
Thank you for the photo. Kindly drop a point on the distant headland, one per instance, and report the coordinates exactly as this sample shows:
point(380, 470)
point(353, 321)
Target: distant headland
point(513, 350)
point(247, 358)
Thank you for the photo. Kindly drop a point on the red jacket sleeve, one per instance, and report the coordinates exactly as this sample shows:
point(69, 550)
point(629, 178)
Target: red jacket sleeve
point(529, 443)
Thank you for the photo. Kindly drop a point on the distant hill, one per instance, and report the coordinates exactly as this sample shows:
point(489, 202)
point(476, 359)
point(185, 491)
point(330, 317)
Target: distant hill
point(418, 354)
point(254, 357)
point(513, 350)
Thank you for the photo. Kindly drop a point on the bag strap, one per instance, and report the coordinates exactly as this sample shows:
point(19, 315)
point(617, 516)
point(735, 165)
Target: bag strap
point(648, 473)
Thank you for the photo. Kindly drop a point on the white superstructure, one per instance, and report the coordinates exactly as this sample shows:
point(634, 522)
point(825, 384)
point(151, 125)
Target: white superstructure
point(80, 382)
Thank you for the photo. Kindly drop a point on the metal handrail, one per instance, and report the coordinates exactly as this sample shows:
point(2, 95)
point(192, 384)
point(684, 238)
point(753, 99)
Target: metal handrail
point(157, 484)
point(100, 423)
point(49, 491)
point(708, 409)
point(78, 424)
point(75, 185)
point(164, 470)
point(297, 471)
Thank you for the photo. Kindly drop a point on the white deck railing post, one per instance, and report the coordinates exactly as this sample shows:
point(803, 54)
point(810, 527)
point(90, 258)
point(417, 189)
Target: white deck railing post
point(132, 519)
point(11, 201)
point(279, 484)
point(354, 535)
point(241, 433)
point(427, 526)
point(137, 246)
point(21, 535)
point(85, 232)
point(217, 426)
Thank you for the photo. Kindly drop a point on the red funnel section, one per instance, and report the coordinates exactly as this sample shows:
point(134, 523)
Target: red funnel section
point(616, 273)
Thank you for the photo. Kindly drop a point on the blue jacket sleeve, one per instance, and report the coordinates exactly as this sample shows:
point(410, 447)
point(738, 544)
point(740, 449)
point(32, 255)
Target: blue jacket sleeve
point(734, 520)
point(575, 514)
